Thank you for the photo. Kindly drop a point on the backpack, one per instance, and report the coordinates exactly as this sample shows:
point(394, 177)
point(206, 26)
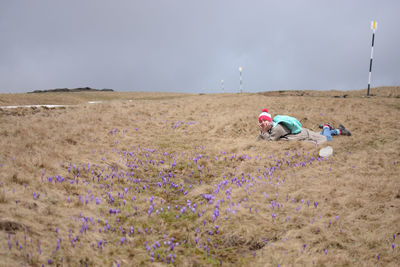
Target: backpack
point(290, 122)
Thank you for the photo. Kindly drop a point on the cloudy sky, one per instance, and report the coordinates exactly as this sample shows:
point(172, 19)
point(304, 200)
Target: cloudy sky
point(191, 45)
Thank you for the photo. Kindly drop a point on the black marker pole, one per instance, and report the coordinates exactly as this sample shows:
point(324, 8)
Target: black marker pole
point(240, 79)
point(374, 25)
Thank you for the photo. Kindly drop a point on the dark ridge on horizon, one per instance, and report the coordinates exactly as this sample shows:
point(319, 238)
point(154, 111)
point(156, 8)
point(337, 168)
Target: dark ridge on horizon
point(80, 89)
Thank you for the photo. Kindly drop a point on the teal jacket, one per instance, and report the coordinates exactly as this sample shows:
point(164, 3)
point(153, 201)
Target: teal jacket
point(290, 122)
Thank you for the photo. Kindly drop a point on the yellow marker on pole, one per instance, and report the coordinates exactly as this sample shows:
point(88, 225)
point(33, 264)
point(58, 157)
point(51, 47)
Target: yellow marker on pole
point(374, 25)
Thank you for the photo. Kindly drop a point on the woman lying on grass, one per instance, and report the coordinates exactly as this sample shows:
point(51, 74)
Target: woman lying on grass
point(284, 127)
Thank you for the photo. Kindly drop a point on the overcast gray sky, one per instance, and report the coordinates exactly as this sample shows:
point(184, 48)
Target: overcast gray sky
point(190, 46)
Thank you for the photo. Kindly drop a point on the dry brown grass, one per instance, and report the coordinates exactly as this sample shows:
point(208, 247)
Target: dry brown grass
point(74, 98)
point(278, 203)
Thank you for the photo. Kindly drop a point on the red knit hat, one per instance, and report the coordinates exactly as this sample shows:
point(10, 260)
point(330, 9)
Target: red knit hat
point(264, 116)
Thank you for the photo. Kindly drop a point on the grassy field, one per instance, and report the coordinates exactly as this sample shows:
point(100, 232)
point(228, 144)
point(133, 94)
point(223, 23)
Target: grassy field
point(154, 179)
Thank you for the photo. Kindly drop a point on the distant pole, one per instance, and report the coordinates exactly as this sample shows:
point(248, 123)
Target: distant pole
point(240, 81)
point(374, 26)
point(222, 85)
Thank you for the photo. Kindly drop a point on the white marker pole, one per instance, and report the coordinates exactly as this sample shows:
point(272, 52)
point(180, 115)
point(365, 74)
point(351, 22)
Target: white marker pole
point(374, 26)
point(222, 85)
point(240, 81)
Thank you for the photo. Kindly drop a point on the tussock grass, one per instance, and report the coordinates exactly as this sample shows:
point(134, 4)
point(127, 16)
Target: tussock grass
point(143, 178)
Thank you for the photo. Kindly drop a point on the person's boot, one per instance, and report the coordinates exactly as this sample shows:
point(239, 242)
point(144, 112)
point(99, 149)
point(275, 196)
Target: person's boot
point(343, 130)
